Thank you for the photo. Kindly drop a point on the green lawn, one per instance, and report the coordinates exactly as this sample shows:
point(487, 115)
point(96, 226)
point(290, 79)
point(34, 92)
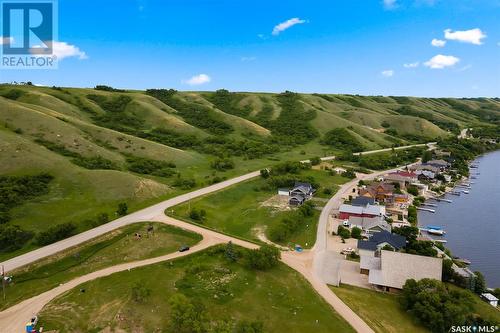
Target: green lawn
point(239, 210)
point(113, 248)
point(381, 311)
point(280, 298)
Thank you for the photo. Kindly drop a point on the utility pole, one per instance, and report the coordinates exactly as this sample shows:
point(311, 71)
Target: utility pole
point(3, 282)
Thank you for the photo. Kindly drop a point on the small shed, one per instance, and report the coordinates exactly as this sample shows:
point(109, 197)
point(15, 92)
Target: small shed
point(490, 298)
point(283, 191)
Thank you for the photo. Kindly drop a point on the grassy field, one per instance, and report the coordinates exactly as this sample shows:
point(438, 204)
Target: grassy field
point(279, 298)
point(246, 209)
point(381, 311)
point(113, 248)
point(73, 120)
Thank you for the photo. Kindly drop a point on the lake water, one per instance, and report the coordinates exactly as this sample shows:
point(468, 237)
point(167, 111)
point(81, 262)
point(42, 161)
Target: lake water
point(472, 221)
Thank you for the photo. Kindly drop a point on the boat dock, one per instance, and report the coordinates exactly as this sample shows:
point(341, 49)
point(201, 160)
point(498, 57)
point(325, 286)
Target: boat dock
point(442, 199)
point(428, 204)
point(426, 209)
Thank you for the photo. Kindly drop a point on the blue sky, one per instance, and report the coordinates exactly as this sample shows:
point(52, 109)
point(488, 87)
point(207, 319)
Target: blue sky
point(349, 46)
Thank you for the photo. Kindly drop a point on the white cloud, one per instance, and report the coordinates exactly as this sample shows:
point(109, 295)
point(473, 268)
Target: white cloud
point(248, 59)
point(472, 36)
point(287, 24)
point(411, 64)
point(64, 50)
point(441, 61)
point(438, 42)
point(387, 73)
point(390, 4)
point(6, 40)
point(197, 80)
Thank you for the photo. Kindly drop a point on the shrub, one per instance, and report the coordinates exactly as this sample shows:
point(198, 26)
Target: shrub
point(197, 215)
point(356, 233)
point(315, 160)
point(55, 233)
point(122, 209)
point(185, 183)
point(12, 237)
point(264, 258)
point(412, 189)
point(139, 292)
point(222, 164)
point(342, 139)
point(344, 233)
point(150, 167)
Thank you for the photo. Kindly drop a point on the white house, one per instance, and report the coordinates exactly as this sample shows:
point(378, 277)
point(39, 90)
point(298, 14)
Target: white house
point(490, 298)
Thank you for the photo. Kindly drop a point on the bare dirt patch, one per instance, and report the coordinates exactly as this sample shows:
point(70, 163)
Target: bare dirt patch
point(278, 202)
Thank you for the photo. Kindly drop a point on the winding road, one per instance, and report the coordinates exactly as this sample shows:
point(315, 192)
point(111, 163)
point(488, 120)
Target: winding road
point(308, 263)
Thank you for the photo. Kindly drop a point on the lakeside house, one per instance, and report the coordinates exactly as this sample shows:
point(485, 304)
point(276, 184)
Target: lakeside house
point(426, 175)
point(370, 225)
point(373, 246)
point(403, 178)
point(490, 298)
point(440, 164)
point(381, 192)
point(362, 201)
point(346, 211)
point(391, 269)
point(427, 167)
point(298, 194)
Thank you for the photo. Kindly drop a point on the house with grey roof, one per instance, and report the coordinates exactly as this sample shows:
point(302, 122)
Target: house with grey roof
point(362, 201)
point(370, 224)
point(391, 269)
point(300, 193)
point(378, 240)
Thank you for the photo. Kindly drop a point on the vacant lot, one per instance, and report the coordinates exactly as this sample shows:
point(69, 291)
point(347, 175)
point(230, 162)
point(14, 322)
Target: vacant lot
point(116, 247)
point(244, 210)
point(279, 298)
point(379, 310)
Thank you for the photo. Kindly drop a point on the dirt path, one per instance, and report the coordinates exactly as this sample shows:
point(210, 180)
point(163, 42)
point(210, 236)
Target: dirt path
point(306, 263)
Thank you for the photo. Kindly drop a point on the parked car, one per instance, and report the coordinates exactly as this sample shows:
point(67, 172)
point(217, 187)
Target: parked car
point(184, 248)
point(348, 250)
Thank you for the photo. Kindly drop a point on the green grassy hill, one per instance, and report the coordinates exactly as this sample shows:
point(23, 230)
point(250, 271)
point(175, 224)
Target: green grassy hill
point(107, 146)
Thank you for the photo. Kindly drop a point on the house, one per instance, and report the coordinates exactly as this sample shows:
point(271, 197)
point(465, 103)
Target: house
point(303, 189)
point(377, 241)
point(403, 178)
point(391, 269)
point(296, 200)
point(381, 192)
point(370, 224)
point(346, 211)
point(362, 201)
point(425, 175)
point(300, 193)
point(401, 198)
point(441, 164)
point(428, 167)
point(490, 298)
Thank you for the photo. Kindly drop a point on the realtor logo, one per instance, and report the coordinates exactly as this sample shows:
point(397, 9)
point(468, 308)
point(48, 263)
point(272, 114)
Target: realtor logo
point(28, 31)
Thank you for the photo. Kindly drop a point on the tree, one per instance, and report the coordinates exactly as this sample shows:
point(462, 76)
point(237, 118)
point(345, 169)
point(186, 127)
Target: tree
point(412, 189)
point(264, 173)
point(435, 306)
point(426, 156)
point(344, 233)
point(315, 160)
point(230, 252)
point(55, 233)
point(356, 233)
point(264, 258)
point(479, 283)
point(12, 237)
point(249, 327)
point(187, 317)
point(122, 209)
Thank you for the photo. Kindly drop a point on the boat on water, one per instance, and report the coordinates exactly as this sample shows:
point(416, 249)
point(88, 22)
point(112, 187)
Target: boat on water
point(465, 192)
point(462, 260)
point(455, 193)
point(436, 232)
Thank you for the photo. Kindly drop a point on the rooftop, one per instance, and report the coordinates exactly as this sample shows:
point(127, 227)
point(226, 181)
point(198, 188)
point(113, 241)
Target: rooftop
point(397, 267)
point(395, 240)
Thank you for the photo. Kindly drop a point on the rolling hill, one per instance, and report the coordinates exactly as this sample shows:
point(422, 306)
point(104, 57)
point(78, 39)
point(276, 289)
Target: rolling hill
point(106, 146)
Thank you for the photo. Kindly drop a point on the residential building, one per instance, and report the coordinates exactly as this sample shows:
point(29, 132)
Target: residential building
point(377, 241)
point(490, 298)
point(441, 164)
point(370, 224)
point(300, 193)
point(428, 167)
point(391, 269)
point(362, 201)
point(382, 192)
point(403, 178)
point(346, 211)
